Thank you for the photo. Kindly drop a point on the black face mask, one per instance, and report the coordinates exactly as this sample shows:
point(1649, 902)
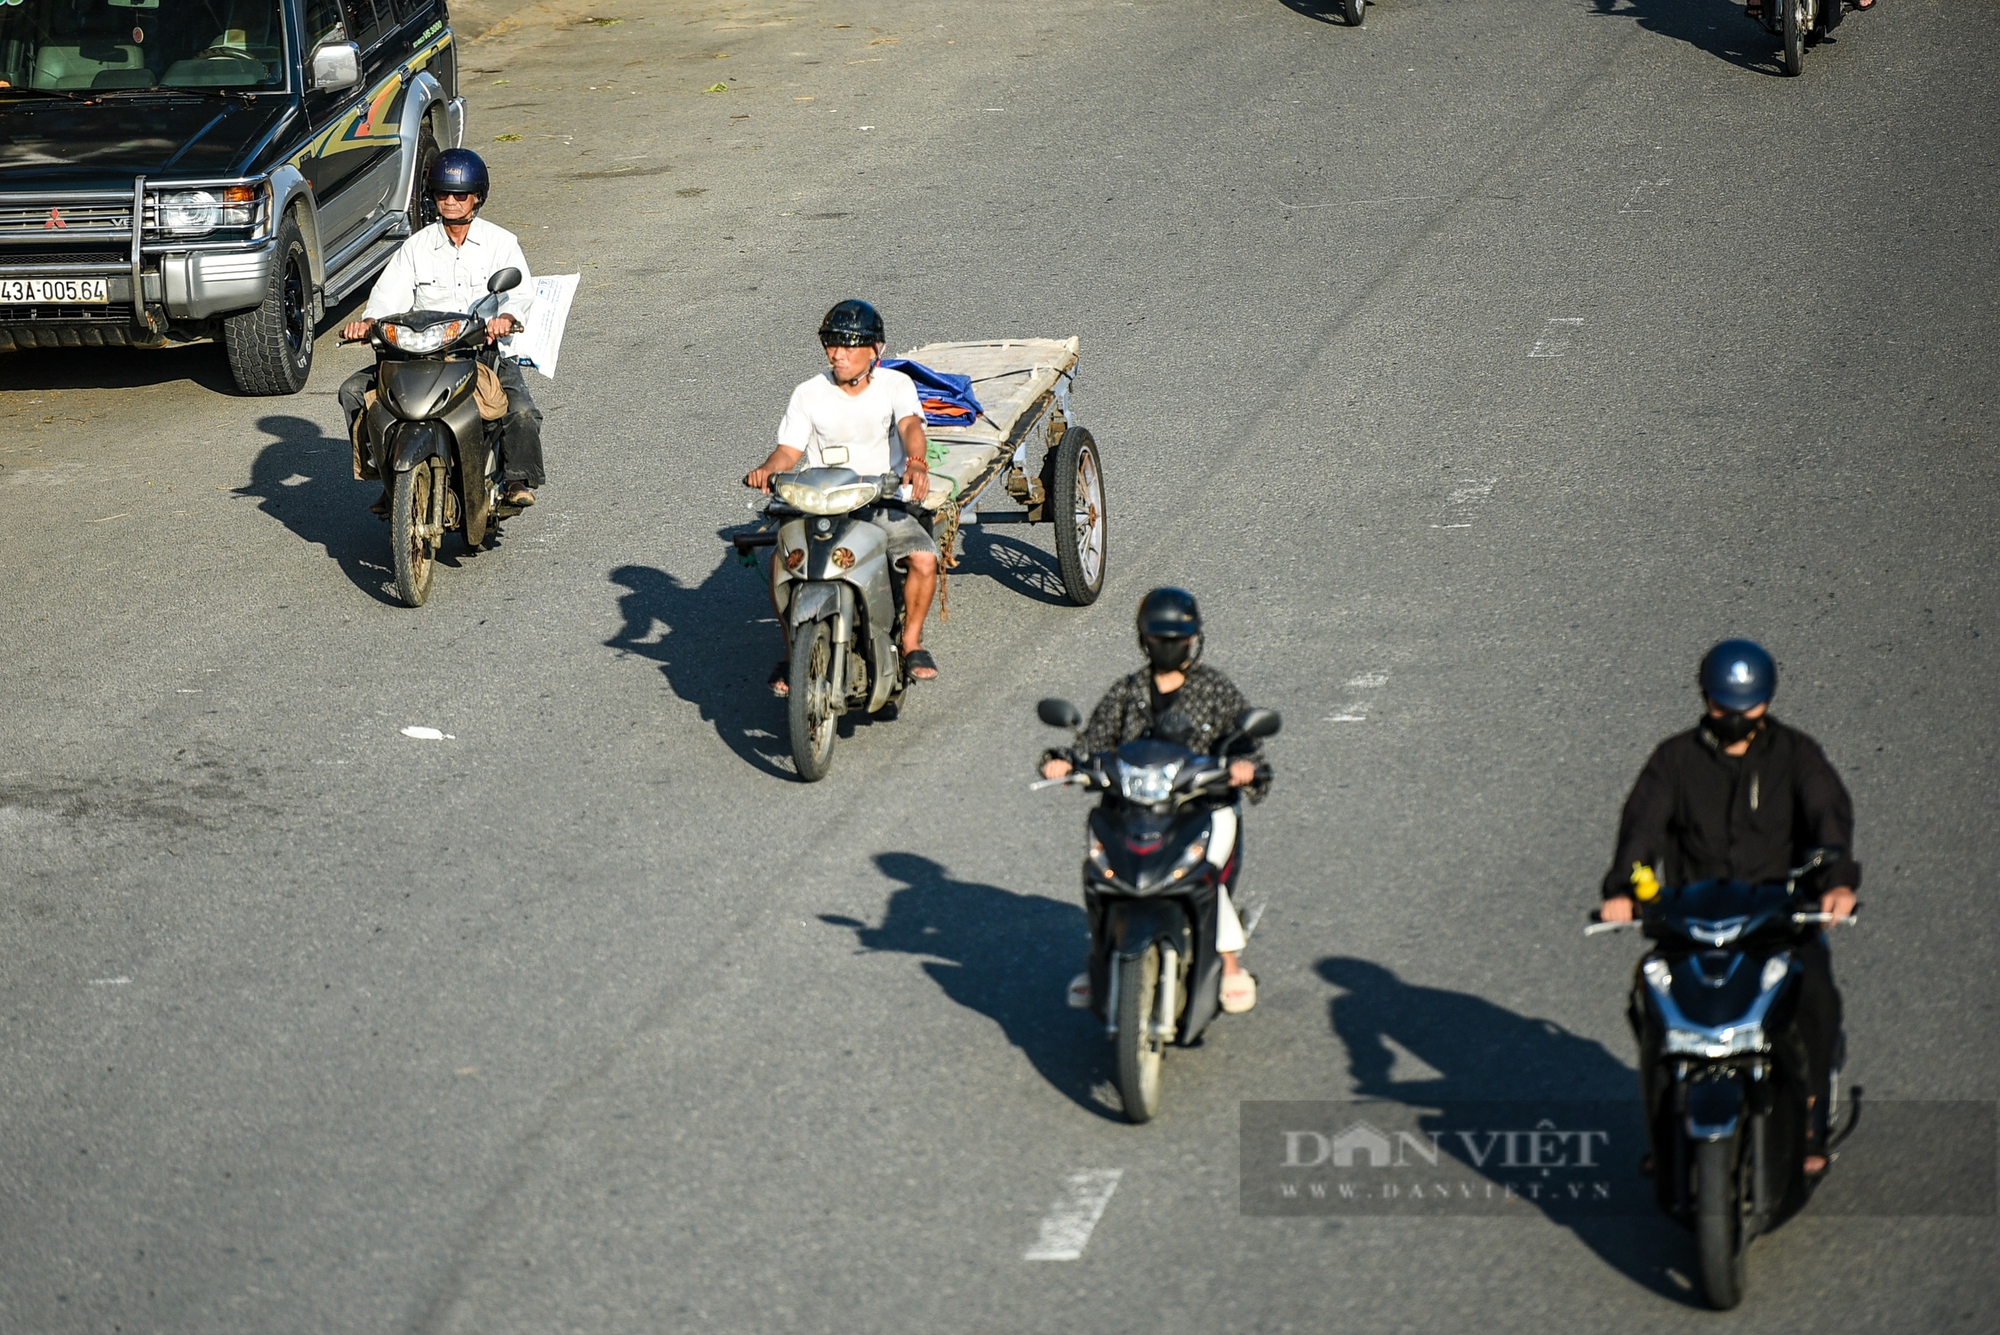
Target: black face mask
point(1732, 728)
point(1167, 655)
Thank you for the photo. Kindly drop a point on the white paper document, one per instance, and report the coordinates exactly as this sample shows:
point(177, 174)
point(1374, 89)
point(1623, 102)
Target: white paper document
point(541, 341)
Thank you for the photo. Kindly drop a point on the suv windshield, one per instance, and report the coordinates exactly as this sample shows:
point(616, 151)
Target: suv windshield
point(82, 45)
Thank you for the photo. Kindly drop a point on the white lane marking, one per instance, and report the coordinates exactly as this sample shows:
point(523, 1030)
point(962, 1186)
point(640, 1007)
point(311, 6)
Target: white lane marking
point(1548, 345)
point(1469, 492)
point(1631, 204)
point(295, 480)
point(109, 982)
point(1368, 681)
point(1355, 712)
point(1067, 1227)
point(423, 734)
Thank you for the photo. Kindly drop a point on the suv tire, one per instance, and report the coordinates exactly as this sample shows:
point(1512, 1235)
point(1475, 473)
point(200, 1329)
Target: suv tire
point(271, 347)
point(422, 209)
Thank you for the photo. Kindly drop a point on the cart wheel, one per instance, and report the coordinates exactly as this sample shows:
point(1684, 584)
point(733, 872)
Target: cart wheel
point(1079, 516)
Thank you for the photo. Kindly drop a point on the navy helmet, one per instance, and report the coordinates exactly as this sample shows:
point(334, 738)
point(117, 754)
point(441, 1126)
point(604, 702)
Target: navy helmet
point(1170, 629)
point(1738, 675)
point(457, 170)
point(852, 324)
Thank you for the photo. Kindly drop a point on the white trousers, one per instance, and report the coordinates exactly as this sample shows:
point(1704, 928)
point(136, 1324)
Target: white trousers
point(1222, 842)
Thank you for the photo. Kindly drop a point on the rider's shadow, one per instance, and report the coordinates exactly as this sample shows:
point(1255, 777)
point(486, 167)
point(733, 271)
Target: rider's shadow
point(1476, 1051)
point(1008, 956)
point(304, 479)
point(713, 647)
point(1714, 26)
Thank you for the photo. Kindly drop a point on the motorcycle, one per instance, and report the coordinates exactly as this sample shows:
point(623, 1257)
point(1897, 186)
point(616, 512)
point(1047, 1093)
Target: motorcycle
point(425, 437)
point(1722, 1066)
point(1162, 843)
point(837, 599)
point(1798, 22)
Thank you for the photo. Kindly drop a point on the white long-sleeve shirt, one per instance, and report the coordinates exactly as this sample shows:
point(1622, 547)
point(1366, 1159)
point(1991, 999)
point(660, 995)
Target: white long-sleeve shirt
point(429, 273)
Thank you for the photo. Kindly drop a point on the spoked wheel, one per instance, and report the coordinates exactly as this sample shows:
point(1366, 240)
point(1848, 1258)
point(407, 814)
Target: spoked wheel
point(1353, 11)
point(409, 521)
point(1797, 24)
point(1079, 516)
point(810, 702)
point(1140, 1053)
point(1719, 1232)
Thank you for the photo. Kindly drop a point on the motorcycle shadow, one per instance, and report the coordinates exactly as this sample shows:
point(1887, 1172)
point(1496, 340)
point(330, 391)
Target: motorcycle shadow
point(1719, 29)
point(1480, 1052)
point(304, 479)
point(1005, 955)
point(712, 645)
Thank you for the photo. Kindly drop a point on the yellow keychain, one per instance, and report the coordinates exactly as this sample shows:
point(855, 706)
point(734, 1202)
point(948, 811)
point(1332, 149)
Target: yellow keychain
point(1645, 885)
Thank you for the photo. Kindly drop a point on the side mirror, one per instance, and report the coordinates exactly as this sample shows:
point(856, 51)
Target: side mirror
point(1059, 714)
point(1258, 723)
point(336, 65)
point(504, 281)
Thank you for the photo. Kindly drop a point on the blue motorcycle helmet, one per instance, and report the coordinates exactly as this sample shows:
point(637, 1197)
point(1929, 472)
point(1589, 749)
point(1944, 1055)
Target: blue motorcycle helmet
point(457, 170)
point(1738, 675)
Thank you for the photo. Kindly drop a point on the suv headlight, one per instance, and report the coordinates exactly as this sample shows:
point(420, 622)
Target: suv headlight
point(406, 339)
point(1723, 1043)
point(199, 212)
point(833, 501)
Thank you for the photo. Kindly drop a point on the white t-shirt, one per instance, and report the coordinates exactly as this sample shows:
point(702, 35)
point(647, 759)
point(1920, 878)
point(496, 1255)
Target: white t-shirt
point(841, 430)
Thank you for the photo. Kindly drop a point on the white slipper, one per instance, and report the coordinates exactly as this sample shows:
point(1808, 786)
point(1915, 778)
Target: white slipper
point(1239, 992)
point(1079, 992)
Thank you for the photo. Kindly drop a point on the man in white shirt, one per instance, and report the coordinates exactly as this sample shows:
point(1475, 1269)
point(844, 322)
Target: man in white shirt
point(857, 415)
point(444, 267)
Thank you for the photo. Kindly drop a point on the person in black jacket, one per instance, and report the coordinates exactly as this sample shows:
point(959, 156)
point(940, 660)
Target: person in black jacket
point(1175, 696)
point(1742, 797)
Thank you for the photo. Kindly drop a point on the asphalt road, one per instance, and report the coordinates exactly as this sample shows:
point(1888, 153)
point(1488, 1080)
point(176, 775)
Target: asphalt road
point(1477, 368)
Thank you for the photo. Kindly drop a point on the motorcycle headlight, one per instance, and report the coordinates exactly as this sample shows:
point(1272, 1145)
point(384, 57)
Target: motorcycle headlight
point(1721, 1043)
point(407, 339)
point(1146, 783)
point(832, 501)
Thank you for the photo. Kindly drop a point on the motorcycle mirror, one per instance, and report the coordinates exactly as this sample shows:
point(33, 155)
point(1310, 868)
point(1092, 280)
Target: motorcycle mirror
point(1059, 714)
point(504, 281)
point(1258, 723)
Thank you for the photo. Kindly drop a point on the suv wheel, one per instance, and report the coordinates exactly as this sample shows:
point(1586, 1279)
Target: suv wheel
point(271, 347)
point(422, 208)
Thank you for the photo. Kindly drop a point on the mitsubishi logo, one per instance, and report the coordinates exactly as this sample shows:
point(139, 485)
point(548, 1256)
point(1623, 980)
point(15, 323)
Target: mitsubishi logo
point(55, 221)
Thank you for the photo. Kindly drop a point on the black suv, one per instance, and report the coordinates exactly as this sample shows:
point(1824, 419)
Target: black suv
point(180, 169)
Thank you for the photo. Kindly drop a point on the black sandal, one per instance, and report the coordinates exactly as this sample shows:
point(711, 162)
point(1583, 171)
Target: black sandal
point(919, 658)
point(780, 680)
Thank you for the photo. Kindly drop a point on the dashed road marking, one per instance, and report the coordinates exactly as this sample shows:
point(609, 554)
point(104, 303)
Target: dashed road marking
point(1632, 202)
point(1067, 1227)
point(1548, 345)
point(1458, 502)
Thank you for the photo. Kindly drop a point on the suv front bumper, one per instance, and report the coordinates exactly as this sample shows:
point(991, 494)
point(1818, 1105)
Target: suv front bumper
point(178, 289)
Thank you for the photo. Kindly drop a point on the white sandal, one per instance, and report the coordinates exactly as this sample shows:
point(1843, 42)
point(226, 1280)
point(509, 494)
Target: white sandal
point(1079, 992)
point(1239, 992)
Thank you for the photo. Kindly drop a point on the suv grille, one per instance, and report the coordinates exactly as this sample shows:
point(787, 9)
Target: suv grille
point(25, 257)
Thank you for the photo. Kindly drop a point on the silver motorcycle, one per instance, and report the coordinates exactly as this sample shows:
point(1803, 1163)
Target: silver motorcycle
point(837, 599)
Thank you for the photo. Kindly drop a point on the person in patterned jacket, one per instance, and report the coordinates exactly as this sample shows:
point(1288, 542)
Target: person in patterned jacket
point(1177, 697)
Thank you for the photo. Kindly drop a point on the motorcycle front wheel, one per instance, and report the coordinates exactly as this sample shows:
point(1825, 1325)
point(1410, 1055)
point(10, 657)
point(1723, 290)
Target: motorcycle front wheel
point(1140, 1053)
point(409, 517)
point(1353, 11)
point(810, 701)
point(1718, 1204)
point(1796, 27)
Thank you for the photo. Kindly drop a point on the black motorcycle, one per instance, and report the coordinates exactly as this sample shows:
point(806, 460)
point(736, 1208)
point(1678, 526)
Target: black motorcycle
point(1722, 1065)
point(1162, 842)
point(425, 437)
point(1798, 24)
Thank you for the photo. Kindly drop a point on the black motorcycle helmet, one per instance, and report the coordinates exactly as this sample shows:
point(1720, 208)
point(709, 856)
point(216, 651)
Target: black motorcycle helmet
point(852, 324)
point(1170, 629)
point(457, 170)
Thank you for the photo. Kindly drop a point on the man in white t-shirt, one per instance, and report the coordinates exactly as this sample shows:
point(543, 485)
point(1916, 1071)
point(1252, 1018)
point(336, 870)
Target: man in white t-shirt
point(857, 415)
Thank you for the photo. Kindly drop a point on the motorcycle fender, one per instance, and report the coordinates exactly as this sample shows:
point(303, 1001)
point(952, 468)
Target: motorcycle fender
point(813, 599)
point(1714, 1109)
point(415, 442)
point(1136, 924)
point(424, 388)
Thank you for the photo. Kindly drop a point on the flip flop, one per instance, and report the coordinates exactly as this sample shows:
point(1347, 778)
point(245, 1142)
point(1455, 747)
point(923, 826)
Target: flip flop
point(518, 495)
point(1239, 992)
point(780, 680)
point(919, 658)
point(1079, 992)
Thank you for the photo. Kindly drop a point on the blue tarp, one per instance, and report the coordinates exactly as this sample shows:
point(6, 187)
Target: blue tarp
point(948, 399)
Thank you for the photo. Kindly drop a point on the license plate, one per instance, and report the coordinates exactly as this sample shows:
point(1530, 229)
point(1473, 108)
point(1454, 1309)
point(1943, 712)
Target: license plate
point(54, 291)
